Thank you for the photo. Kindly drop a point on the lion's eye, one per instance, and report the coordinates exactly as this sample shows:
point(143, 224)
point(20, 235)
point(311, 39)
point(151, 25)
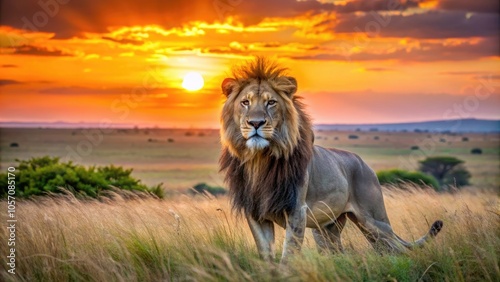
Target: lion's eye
point(271, 102)
point(245, 102)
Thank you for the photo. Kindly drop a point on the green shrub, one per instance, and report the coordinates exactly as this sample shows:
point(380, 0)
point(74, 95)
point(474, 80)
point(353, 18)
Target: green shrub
point(39, 176)
point(352, 136)
point(399, 176)
point(202, 187)
point(476, 151)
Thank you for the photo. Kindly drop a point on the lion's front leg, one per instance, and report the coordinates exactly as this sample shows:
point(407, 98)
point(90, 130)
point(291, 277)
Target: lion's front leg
point(263, 233)
point(295, 229)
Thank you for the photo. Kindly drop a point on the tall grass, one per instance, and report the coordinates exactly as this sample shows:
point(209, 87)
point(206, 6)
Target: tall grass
point(65, 239)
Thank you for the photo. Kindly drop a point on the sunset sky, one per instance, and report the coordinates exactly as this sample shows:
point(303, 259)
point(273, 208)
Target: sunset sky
point(355, 61)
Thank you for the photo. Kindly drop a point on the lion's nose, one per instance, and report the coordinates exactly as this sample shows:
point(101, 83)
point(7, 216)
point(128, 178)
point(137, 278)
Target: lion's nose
point(256, 123)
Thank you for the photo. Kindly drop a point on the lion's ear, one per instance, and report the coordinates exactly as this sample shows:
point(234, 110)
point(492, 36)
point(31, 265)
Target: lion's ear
point(228, 85)
point(290, 86)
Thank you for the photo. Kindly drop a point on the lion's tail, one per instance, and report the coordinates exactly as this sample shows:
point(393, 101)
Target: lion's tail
point(435, 228)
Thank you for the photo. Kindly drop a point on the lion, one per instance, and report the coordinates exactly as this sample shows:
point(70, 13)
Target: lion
point(277, 175)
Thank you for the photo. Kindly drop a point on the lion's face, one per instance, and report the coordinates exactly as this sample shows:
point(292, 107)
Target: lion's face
point(258, 111)
point(260, 114)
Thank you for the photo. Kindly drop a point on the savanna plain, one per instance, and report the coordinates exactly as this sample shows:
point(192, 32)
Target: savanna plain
point(196, 238)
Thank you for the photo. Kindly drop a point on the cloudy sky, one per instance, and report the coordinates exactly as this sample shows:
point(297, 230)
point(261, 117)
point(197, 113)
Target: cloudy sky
point(355, 61)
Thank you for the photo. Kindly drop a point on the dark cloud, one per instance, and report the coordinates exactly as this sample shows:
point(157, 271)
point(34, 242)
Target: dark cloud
point(254, 11)
point(375, 5)
point(426, 52)
point(480, 6)
point(38, 51)
point(271, 45)
point(74, 17)
point(9, 66)
point(123, 40)
point(5, 82)
point(425, 25)
point(224, 50)
point(70, 19)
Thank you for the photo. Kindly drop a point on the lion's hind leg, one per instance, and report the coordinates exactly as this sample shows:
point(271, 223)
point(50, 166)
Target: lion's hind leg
point(379, 234)
point(328, 237)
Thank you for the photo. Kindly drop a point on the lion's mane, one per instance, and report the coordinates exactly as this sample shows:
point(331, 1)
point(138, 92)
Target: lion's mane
point(265, 184)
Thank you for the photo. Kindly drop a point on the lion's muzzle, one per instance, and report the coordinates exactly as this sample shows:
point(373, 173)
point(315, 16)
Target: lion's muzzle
point(256, 139)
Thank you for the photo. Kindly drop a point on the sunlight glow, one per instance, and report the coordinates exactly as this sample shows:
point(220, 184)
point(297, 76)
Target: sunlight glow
point(193, 81)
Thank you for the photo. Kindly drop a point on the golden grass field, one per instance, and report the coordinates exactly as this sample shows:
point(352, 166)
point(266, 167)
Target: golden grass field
point(197, 239)
point(184, 238)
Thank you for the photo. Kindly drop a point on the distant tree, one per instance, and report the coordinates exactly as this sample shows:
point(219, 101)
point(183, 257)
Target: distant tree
point(465, 139)
point(415, 147)
point(352, 136)
point(447, 170)
point(14, 145)
point(476, 151)
point(457, 177)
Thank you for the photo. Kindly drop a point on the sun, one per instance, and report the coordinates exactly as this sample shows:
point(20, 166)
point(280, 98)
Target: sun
point(193, 81)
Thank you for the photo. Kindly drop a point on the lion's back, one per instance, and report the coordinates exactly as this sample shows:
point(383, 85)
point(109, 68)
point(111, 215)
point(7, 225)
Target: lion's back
point(340, 172)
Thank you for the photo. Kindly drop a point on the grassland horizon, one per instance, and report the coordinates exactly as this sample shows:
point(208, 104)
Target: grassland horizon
point(181, 158)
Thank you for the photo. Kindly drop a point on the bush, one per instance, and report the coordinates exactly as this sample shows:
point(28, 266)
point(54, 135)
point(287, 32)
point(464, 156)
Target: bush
point(465, 139)
point(399, 176)
point(352, 136)
point(14, 145)
point(203, 187)
point(476, 151)
point(43, 175)
point(449, 171)
point(415, 147)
